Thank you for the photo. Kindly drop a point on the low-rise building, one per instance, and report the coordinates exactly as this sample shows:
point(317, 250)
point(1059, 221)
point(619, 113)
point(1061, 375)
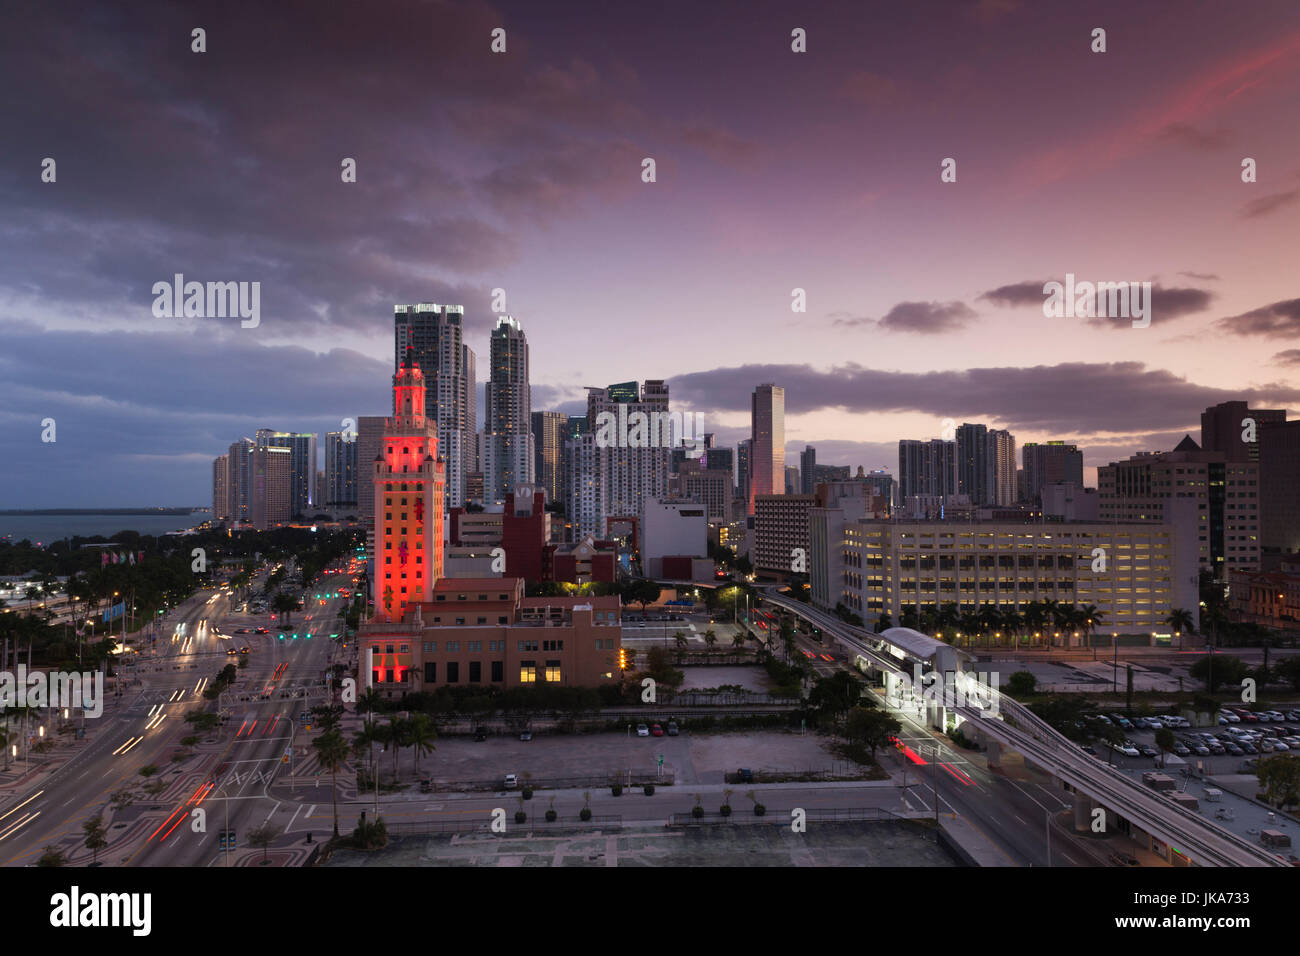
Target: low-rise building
point(484, 632)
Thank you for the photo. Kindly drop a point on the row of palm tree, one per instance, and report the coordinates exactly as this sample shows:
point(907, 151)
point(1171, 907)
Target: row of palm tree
point(1041, 619)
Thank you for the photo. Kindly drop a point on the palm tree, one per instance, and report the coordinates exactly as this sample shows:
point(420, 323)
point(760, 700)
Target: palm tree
point(420, 735)
point(680, 639)
point(365, 739)
point(31, 592)
point(284, 605)
point(399, 730)
point(332, 750)
point(1180, 619)
point(710, 638)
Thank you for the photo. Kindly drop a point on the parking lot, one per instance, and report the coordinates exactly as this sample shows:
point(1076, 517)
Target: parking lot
point(693, 758)
point(1225, 748)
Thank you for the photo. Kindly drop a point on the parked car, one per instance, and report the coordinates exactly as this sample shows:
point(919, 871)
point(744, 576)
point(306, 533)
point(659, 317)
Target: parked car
point(511, 781)
point(1229, 716)
point(526, 735)
point(1216, 748)
point(1247, 746)
point(1123, 859)
point(642, 730)
point(1181, 749)
point(1127, 748)
point(656, 731)
point(672, 728)
point(1147, 750)
point(1234, 749)
point(1199, 748)
point(1122, 721)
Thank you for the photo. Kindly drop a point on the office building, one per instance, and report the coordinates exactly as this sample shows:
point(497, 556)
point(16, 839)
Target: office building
point(409, 482)
point(340, 470)
point(722, 459)
point(808, 470)
point(675, 541)
point(767, 442)
point(743, 452)
point(433, 335)
point(370, 435)
point(886, 567)
point(781, 534)
point(508, 436)
point(1227, 426)
point(1224, 513)
point(270, 486)
point(549, 434)
point(1050, 462)
point(974, 465)
point(302, 447)
point(792, 481)
point(1279, 482)
point(927, 468)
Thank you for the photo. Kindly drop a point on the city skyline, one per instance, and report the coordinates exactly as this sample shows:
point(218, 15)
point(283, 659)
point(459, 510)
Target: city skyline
point(539, 170)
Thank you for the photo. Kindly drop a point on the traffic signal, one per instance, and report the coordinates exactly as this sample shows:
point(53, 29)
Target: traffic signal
point(622, 659)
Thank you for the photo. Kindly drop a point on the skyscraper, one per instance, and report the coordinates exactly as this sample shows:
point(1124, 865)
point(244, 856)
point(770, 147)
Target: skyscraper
point(614, 478)
point(340, 469)
point(370, 435)
point(409, 483)
point(808, 470)
point(436, 334)
point(926, 468)
point(1002, 453)
point(220, 492)
point(237, 480)
point(974, 467)
point(1053, 461)
point(302, 466)
point(270, 485)
point(549, 430)
point(508, 438)
point(1223, 425)
point(767, 435)
point(744, 450)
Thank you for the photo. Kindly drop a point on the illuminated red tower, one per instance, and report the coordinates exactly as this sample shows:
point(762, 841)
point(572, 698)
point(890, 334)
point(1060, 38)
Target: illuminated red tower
point(410, 482)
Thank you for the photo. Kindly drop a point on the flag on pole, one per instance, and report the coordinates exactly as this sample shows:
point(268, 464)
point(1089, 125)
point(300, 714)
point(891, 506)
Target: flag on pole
point(103, 559)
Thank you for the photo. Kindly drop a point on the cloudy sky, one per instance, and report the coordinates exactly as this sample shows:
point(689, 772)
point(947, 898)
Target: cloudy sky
point(521, 170)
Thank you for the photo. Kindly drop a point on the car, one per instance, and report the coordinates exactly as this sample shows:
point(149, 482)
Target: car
point(1234, 749)
point(244, 649)
point(672, 728)
point(1181, 749)
point(511, 781)
point(1127, 749)
point(480, 737)
point(642, 730)
point(1102, 717)
point(1216, 748)
point(1091, 750)
point(262, 630)
point(1281, 745)
point(1266, 746)
point(1293, 715)
point(1147, 750)
point(1229, 716)
point(1247, 717)
point(1122, 721)
point(656, 731)
point(1123, 859)
point(526, 735)
point(1199, 748)
point(1247, 746)
point(231, 652)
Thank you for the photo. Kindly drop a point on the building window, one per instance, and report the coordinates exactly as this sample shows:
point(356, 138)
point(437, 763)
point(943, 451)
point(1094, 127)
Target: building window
point(453, 646)
point(527, 672)
point(482, 620)
point(431, 672)
point(498, 672)
point(552, 672)
point(453, 672)
point(475, 672)
point(502, 620)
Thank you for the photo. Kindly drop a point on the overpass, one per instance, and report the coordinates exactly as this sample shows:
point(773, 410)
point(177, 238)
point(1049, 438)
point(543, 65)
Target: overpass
point(1187, 838)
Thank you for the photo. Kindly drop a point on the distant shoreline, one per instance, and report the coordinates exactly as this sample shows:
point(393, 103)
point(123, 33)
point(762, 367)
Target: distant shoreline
point(96, 511)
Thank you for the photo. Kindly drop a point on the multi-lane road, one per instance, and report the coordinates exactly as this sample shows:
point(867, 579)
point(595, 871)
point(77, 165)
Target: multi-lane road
point(233, 777)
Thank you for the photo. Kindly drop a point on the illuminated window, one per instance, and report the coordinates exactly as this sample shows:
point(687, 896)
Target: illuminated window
point(527, 672)
point(552, 672)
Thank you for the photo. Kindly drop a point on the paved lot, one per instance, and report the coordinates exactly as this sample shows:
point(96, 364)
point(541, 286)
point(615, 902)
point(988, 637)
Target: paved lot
point(824, 844)
point(752, 677)
point(696, 758)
